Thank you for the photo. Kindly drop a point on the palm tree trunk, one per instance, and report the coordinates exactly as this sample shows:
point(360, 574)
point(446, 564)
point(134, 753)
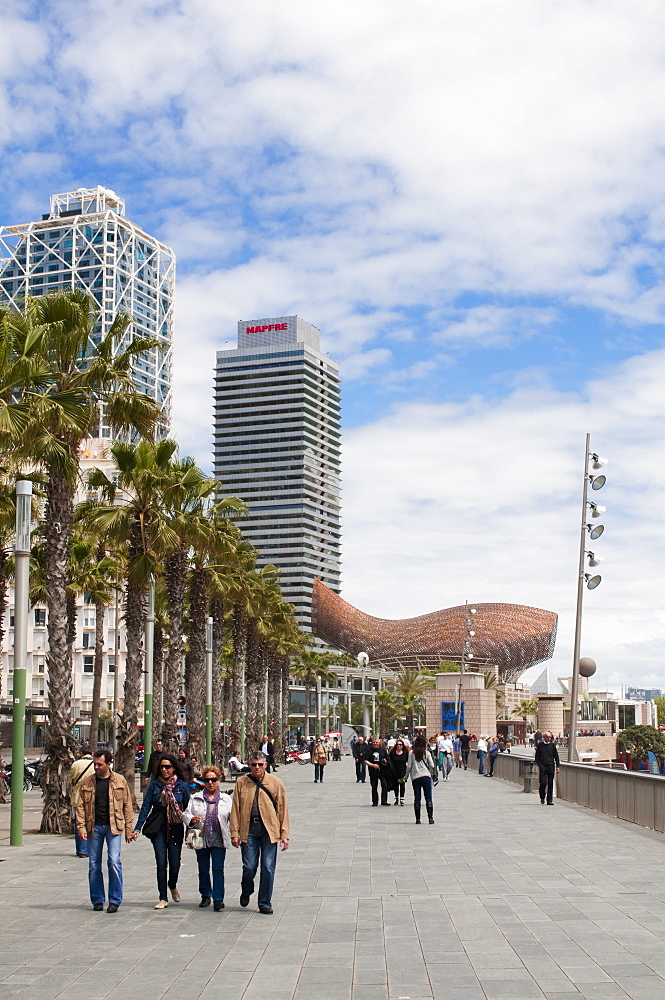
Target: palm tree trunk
point(284, 713)
point(217, 613)
point(307, 690)
point(135, 614)
point(252, 675)
point(176, 581)
point(100, 613)
point(58, 739)
point(196, 679)
point(238, 679)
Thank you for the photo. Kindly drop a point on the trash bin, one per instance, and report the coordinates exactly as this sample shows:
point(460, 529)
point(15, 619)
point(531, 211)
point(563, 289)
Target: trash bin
point(528, 772)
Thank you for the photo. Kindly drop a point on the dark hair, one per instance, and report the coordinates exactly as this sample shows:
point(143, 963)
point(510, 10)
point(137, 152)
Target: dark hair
point(106, 754)
point(419, 747)
point(172, 760)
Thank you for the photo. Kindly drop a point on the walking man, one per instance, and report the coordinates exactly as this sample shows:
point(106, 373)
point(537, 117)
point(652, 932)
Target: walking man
point(358, 751)
point(465, 740)
point(268, 748)
point(447, 755)
point(259, 821)
point(547, 759)
point(378, 765)
point(104, 813)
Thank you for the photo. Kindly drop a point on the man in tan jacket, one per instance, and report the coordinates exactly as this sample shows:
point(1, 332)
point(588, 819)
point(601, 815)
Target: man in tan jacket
point(103, 813)
point(259, 820)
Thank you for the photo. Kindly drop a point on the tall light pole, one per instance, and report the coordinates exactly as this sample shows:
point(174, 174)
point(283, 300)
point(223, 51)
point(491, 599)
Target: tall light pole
point(149, 633)
point(363, 660)
point(592, 463)
point(21, 591)
point(209, 624)
point(467, 654)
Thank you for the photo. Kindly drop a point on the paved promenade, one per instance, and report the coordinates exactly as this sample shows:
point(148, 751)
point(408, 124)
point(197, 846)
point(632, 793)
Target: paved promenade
point(501, 898)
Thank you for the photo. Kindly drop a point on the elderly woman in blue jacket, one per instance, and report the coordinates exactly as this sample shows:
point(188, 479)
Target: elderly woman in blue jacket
point(209, 811)
point(164, 802)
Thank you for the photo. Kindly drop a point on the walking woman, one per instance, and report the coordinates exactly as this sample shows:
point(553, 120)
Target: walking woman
point(398, 761)
point(165, 800)
point(319, 759)
point(209, 812)
point(420, 769)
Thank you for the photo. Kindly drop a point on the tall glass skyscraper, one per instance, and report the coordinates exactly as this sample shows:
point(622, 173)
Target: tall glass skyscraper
point(86, 242)
point(277, 446)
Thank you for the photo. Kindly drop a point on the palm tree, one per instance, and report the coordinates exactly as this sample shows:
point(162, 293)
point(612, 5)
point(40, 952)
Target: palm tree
point(309, 668)
point(67, 380)
point(410, 686)
point(389, 708)
point(525, 708)
point(140, 523)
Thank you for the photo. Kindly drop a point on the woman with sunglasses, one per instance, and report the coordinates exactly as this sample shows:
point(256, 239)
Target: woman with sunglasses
point(399, 757)
point(209, 811)
point(165, 800)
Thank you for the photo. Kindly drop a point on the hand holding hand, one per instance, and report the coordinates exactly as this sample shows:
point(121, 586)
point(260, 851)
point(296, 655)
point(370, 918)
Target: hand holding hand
point(235, 841)
point(195, 820)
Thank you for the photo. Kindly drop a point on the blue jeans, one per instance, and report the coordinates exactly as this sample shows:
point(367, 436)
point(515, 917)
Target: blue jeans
point(81, 845)
point(318, 772)
point(171, 853)
point(420, 786)
point(481, 761)
point(95, 876)
point(204, 857)
point(258, 843)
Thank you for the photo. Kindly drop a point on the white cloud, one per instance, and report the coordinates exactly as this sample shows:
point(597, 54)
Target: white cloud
point(481, 500)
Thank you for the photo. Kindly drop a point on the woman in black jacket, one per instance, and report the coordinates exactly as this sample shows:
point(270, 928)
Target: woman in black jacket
point(165, 801)
point(398, 760)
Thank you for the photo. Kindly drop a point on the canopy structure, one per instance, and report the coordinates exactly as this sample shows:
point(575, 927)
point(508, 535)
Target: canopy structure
point(510, 636)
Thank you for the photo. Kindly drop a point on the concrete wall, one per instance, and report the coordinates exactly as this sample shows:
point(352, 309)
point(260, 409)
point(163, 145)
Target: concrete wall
point(479, 702)
point(550, 713)
point(604, 746)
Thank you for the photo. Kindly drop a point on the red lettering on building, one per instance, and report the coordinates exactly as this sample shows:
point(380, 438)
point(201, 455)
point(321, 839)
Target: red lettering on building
point(270, 326)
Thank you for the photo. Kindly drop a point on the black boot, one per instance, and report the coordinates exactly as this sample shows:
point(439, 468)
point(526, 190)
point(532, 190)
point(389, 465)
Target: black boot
point(416, 810)
point(430, 812)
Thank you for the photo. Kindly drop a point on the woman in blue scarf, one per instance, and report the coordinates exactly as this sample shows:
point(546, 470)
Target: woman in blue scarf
point(209, 812)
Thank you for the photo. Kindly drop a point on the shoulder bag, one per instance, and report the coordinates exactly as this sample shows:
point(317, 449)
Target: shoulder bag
point(153, 824)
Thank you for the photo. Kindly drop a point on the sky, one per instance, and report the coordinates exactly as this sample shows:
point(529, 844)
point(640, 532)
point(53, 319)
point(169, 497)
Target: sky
point(466, 197)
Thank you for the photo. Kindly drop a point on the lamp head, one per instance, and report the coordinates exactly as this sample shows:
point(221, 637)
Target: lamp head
point(597, 482)
point(597, 461)
point(592, 581)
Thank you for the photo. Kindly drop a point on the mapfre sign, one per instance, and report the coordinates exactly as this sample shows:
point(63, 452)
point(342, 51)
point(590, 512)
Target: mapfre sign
point(269, 326)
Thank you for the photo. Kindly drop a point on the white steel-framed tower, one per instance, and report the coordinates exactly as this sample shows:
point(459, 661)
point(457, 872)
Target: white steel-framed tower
point(277, 446)
point(87, 242)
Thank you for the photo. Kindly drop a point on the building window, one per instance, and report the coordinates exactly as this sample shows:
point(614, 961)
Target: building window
point(88, 640)
point(88, 618)
point(38, 665)
point(111, 664)
point(88, 662)
point(40, 617)
point(626, 716)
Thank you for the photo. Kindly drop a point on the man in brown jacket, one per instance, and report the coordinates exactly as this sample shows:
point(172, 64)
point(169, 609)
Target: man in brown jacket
point(259, 820)
point(103, 813)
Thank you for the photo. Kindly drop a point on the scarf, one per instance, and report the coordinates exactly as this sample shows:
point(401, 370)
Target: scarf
point(173, 810)
point(211, 822)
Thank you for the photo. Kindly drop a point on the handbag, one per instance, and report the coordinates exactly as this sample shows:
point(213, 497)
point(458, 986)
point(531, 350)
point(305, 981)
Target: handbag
point(194, 838)
point(153, 824)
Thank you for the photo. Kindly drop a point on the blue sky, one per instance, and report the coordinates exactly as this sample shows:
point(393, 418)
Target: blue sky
point(467, 199)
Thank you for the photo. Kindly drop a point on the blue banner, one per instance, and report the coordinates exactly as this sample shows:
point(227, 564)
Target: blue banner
point(449, 716)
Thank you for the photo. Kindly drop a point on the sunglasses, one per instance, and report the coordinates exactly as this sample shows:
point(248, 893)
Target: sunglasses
point(258, 764)
point(166, 767)
point(210, 781)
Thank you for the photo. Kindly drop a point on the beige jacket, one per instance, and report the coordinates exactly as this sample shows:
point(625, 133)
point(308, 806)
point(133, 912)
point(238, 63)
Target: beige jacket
point(121, 811)
point(276, 823)
point(319, 755)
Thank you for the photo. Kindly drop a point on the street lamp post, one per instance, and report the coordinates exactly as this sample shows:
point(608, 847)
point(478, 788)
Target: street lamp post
point(467, 654)
point(592, 462)
point(147, 666)
point(363, 660)
point(21, 591)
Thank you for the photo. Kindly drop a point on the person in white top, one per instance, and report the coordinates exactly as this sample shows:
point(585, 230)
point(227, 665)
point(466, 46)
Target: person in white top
point(447, 745)
point(482, 753)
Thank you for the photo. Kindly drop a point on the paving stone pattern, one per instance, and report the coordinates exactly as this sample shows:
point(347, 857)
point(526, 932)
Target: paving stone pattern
point(501, 898)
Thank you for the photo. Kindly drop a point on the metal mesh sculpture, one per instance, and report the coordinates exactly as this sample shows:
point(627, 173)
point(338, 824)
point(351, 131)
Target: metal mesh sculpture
point(510, 636)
